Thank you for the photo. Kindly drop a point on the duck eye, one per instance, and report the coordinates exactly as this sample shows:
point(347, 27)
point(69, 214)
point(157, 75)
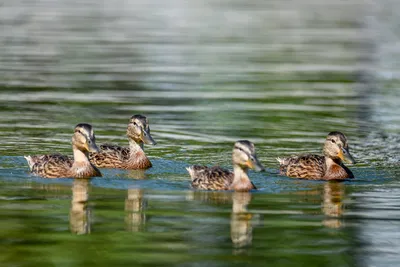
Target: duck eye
point(134, 123)
point(333, 141)
point(238, 148)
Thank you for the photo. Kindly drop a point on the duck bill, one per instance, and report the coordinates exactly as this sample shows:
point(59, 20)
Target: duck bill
point(346, 156)
point(92, 147)
point(147, 138)
point(255, 164)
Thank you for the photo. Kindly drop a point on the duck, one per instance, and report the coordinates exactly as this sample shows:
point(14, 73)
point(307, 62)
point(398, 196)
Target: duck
point(329, 166)
point(132, 157)
point(60, 166)
point(216, 178)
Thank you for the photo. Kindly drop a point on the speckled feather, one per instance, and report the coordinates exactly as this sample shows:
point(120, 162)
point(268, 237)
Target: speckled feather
point(211, 178)
point(57, 165)
point(113, 156)
point(132, 157)
point(327, 167)
point(313, 167)
point(303, 166)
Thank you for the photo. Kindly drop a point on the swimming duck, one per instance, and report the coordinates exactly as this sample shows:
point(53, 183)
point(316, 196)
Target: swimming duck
point(57, 165)
point(216, 178)
point(326, 167)
point(132, 157)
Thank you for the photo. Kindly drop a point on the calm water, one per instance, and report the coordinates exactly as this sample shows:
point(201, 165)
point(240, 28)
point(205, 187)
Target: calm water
point(279, 73)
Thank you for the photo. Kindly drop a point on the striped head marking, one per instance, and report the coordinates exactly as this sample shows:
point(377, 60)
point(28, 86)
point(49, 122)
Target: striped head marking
point(139, 130)
point(84, 138)
point(244, 155)
point(336, 147)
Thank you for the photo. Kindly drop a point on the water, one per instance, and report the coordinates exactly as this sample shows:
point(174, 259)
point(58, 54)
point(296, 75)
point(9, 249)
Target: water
point(279, 73)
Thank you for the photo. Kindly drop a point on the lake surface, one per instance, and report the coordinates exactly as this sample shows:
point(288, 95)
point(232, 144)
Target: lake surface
point(282, 74)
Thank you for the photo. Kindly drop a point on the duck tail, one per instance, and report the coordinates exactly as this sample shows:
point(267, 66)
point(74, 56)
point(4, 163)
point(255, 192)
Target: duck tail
point(190, 171)
point(30, 161)
point(282, 161)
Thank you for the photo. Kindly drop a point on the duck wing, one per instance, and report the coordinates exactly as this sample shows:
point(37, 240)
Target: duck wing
point(110, 156)
point(122, 152)
point(50, 166)
point(206, 178)
point(303, 166)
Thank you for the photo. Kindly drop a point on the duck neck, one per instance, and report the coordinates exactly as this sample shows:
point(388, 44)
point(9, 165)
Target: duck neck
point(239, 173)
point(332, 161)
point(80, 156)
point(330, 157)
point(135, 147)
point(336, 170)
point(137, 157)
point(241, 181)
point(82, 167)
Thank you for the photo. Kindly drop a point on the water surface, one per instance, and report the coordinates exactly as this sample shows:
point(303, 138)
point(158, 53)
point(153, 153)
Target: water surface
point(281, 74)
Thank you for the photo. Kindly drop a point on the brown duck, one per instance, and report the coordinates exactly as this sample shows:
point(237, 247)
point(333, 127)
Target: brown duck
point(327, 167)
point(132, 157)
point(57, 165)
point(216, 178)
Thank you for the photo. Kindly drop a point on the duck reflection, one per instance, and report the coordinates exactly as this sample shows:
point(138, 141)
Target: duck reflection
point(330, 195)
point(332, 203)
point(212, 197)
point(241, 222)
point(135, 204)
point(80, 214)
point(241, 225)
point(136, 174)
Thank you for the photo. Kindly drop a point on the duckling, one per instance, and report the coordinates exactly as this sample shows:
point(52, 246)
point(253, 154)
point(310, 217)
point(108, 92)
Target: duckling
point(216, 178)
point(132, 157)
point(57, 165)
point(326, 167)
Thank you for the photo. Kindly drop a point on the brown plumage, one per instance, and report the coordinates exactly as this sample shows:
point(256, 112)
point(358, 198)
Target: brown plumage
point(132, 157)
point(217, 178)
point(57, 165)
point(326, 167)
point(211, 178)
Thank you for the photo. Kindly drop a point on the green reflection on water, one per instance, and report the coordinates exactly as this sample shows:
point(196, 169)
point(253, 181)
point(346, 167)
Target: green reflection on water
point(137, 226)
